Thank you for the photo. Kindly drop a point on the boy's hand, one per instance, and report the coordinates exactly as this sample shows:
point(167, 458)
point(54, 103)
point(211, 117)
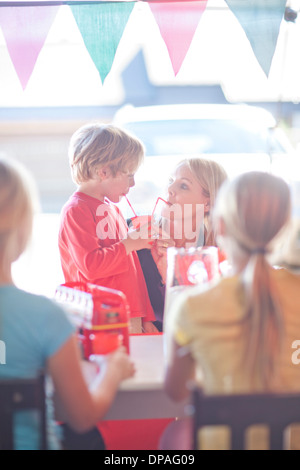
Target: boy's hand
point(149, 327)
point(138, 238)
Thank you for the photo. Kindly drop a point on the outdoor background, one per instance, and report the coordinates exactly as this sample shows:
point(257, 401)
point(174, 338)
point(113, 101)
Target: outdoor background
point(65, 91)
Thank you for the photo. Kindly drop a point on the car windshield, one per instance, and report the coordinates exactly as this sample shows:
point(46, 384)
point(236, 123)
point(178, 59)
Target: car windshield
point(175, 137)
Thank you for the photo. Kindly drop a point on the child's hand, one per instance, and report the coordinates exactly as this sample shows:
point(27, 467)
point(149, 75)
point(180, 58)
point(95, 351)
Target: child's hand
point(138, 238)
point(120, 361)
point(149, 327)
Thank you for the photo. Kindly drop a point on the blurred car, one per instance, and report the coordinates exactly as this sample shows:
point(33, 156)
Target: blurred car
point(239, 137)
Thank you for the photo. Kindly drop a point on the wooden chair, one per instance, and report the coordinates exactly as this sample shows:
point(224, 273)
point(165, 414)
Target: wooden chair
point(239, 412)
point(18, 395)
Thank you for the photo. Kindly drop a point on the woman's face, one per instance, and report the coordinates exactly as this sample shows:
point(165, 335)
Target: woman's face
point(185, 190)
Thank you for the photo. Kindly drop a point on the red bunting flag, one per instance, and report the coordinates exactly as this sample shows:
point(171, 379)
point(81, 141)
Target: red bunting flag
point(178, 22)
point(25, 31)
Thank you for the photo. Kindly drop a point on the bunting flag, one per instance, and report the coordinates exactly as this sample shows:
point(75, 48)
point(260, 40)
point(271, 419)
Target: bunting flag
point(178, 22)
point(102, 27)
point(25, 31)
point(261, 21)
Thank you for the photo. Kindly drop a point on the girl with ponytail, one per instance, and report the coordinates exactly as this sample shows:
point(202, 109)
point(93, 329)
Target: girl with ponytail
point(238, 334)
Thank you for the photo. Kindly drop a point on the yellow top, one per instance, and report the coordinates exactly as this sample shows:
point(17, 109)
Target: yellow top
point(208, 323)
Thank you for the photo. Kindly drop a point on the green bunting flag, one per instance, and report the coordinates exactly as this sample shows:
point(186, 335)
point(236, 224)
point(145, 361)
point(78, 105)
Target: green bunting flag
point(261, 21)
point(102, 27)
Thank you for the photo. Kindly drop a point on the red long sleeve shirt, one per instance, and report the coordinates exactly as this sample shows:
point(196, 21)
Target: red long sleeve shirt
point(91, 251)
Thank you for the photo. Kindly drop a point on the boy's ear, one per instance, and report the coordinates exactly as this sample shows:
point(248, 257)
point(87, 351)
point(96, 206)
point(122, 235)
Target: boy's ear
point(102, 172)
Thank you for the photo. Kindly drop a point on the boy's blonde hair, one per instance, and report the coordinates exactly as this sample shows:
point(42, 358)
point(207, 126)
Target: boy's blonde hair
point(97, 145)
point(18, 200)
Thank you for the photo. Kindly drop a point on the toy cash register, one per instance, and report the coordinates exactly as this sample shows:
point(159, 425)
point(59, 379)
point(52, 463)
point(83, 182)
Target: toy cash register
point(100, 314)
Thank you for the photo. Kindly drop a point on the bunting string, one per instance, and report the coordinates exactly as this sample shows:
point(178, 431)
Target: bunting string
point(84, 2)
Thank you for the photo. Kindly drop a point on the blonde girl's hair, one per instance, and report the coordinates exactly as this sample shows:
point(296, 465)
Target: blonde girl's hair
point(18, 202)
point(255, 208)
point(97, 145)
point(210, 176)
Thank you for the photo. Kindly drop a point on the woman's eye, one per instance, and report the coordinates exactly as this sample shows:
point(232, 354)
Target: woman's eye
point(184, 186)
point(171, 181)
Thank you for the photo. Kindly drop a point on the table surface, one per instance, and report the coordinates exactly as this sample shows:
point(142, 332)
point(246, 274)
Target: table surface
point(147, 354)
point(143, 396)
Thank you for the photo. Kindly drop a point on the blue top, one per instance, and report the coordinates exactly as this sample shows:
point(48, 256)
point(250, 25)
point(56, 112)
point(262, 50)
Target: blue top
point(32, 328)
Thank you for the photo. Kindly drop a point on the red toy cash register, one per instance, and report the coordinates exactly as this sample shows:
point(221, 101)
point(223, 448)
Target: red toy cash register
point(100, 314)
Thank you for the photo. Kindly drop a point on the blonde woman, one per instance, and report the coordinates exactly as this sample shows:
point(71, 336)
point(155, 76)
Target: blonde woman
point(192, 191)
point(36, 332)
point(193, 186)
point(239, 333)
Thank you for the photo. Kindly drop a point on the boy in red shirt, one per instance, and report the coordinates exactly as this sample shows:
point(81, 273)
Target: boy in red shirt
point(94, 242)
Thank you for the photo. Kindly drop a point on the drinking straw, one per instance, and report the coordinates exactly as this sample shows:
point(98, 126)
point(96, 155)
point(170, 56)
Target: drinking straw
point(130, 206)
point(157, 200)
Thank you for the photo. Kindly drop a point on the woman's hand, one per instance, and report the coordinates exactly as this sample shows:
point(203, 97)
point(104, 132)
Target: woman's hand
point(159, 254)
point(161, 246)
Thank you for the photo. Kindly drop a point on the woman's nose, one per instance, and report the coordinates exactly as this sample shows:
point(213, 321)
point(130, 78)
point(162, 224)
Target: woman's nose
point(171, 190)
point(132, 182)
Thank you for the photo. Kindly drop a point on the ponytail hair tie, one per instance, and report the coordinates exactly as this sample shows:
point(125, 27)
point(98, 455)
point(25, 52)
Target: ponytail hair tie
point(260, 250)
